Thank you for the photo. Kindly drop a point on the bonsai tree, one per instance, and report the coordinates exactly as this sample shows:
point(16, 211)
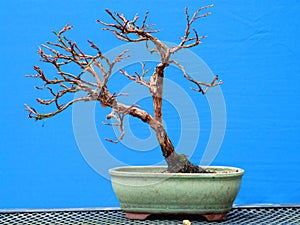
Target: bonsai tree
point(65, 52)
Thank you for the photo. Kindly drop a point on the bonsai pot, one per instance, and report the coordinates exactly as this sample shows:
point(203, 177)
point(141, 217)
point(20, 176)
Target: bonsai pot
point(143, 191)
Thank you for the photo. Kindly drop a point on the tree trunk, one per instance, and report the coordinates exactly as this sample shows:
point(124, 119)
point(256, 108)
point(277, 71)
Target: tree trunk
point(177, 163)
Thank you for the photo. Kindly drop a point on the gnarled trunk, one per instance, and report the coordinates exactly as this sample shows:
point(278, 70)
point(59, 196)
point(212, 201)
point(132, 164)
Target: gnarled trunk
point(176, 162)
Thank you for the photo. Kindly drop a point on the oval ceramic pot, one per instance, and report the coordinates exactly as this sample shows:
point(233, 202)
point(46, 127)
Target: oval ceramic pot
point(149, 190)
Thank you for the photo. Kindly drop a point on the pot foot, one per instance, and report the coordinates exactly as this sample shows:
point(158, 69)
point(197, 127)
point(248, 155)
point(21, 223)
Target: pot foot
point(208, 217)
point(215, 217)
point(136, 216)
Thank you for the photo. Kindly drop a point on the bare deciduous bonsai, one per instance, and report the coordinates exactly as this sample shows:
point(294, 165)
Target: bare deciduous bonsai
point(64, 52)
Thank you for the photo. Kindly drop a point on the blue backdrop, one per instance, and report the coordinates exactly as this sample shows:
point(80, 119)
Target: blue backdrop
point(252, 45)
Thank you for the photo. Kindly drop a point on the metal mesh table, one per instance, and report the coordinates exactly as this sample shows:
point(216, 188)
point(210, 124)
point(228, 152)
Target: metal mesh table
point(248, 214)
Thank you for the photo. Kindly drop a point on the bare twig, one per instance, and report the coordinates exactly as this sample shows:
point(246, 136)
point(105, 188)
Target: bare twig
point(186, 40)
point(138, 78)
point(38, 116)
point(119, 113)
point(199, 84)
point(68, 83)
point(129, 31)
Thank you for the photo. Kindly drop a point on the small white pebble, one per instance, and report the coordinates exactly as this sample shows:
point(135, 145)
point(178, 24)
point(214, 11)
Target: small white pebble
point(186, 222)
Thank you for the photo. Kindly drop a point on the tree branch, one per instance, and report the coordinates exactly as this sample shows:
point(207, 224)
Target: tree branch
point(38, 116)
point(138, 78)
point(123, 29)
point(199, 84)
point(61, 53)
point(186, 39)
point(118, 113)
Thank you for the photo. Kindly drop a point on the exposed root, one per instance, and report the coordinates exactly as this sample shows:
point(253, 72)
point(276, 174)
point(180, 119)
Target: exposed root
point(179, 163)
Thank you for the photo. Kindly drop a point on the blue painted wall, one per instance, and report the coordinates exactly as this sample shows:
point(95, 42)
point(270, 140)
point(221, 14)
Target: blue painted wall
point(252, 45)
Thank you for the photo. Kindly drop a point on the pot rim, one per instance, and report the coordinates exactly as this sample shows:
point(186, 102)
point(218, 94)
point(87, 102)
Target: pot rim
point(125, 171)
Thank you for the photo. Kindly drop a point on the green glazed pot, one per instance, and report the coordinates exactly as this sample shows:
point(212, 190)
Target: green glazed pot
point(149, 190)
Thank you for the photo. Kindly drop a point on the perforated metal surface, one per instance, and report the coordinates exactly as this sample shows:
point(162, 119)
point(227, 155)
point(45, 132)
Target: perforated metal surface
point(238, 215)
